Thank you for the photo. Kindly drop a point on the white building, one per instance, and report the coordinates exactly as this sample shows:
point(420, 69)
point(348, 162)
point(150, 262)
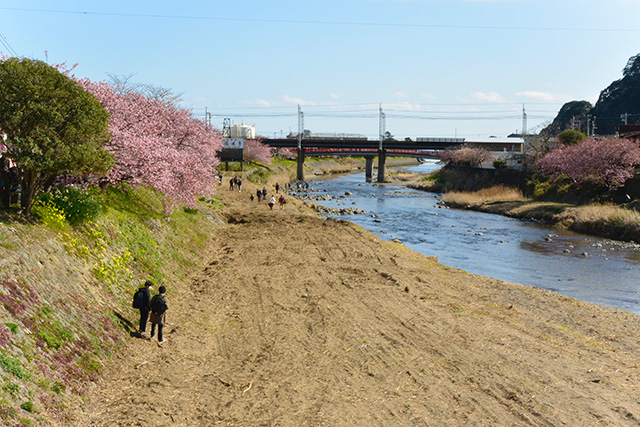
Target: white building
point(509, 149)
point(242, 131)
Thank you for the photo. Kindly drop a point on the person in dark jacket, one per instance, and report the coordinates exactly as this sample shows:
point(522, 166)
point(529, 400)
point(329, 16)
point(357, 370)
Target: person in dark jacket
point(158, 316)
point(144, 310)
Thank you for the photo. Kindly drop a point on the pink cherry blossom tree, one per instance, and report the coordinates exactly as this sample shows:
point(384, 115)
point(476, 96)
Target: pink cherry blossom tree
point(466, 156)
point(158, 145)
point(608, 162)
point(256, 151)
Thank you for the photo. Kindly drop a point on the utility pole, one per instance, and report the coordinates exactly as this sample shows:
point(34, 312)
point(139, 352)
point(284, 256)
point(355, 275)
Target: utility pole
point(300, 127)
point(300, 174)
point(524, 121)
point(625, 118)
point(381, 127)
point(588, 125)
point(382, 124)
point(226, 128)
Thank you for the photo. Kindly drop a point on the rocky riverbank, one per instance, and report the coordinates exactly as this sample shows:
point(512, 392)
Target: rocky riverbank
point(618, 222)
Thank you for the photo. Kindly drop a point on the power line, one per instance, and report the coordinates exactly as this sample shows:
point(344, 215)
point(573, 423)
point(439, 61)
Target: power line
point(320, 22)
point(6, 44)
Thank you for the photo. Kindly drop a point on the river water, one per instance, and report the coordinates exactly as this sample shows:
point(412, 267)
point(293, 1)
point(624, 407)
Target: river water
point(595, 270)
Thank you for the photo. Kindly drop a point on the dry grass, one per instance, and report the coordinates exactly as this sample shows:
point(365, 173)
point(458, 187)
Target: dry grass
point(606, 212)
point(606, 220)
point(404, 176)
point(487, 195)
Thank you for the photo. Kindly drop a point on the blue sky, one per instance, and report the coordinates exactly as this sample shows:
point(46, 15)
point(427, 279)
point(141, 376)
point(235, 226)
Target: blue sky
point(436, 67)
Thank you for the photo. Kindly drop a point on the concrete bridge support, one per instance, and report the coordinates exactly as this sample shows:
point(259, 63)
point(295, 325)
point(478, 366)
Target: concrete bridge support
point(382, 157)
point(368, 168)
point(300, 174)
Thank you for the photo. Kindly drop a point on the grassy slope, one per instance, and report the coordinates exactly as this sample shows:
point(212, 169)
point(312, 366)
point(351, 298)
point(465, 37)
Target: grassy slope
point(66, 294)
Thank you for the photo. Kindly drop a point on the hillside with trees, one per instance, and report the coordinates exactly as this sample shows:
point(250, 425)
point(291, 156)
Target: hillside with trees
point(620, 98)
point(572, 115)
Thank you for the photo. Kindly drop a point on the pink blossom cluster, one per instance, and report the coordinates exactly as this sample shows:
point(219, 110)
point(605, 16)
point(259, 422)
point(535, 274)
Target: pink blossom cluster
point(256, 151)
point(608, 162)
point(466, 156)
point(158, 145)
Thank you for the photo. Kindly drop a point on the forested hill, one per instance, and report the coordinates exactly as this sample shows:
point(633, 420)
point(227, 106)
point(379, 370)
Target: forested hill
point(619, 98)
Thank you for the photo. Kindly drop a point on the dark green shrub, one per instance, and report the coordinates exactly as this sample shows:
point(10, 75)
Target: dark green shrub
point(500, 164)
point(28, 406)
point(78, 205)
point(571, 137)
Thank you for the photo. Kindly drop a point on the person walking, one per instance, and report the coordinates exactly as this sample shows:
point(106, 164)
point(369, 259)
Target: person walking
point(159, 308)
point(141, 302)
point(239, 184)
point(277, 187)
point(259, 194)
point(281, 202)
point(272, 201)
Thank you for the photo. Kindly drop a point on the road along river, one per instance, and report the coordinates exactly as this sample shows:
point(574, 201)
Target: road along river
point(595, 270)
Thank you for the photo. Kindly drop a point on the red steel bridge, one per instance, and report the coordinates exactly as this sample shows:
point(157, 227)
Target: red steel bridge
point(423, 147)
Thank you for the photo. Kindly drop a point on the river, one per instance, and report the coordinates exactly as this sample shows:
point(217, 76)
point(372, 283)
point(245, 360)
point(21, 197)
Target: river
point(588, 268)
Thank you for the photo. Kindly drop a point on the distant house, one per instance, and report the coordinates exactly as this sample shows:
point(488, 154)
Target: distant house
point(510, 149)
point(629, 131)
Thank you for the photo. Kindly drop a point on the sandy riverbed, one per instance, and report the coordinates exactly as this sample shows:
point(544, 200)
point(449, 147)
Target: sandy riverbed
point(294, 320)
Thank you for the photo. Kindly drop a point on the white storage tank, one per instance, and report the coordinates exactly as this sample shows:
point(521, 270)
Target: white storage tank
point(243, 131)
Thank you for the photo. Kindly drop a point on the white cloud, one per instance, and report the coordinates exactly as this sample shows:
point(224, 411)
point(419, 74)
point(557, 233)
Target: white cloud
point(427, 95)
point(400, 94)
point(487, 97)
point(263, 103)
point(336, 95)
point(296, 101)
point(259, 102)
point(404, 106)
point(544, 96)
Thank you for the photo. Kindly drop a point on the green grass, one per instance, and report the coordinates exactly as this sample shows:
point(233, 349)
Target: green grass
point(12, 366)
point(259, 176)
point(131, 241)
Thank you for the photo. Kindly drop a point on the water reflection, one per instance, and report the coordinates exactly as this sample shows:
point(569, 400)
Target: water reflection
point(594, 270)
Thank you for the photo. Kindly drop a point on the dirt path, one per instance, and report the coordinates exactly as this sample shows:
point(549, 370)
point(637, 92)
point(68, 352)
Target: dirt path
point(300, 321)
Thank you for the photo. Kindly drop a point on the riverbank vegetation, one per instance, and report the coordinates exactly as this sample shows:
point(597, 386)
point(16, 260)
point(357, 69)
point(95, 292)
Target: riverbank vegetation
point(588, 208)
point(66, 290)
point(68, 272)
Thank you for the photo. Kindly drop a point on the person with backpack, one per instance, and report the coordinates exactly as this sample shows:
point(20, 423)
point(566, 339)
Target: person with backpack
point(141, 301)
point(159, 308)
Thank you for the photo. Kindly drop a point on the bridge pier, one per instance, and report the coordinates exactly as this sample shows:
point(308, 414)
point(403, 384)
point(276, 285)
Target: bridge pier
point(368, 174)
point(300, 174)
point(382, 156)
